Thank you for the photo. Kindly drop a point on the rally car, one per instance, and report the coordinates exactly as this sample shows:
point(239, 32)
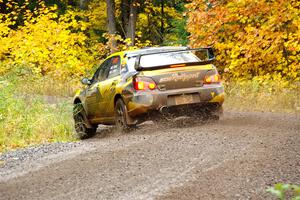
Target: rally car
point(130, 87)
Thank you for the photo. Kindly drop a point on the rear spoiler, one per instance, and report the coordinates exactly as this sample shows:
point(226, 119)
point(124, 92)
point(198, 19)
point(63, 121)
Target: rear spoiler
point(209, 51)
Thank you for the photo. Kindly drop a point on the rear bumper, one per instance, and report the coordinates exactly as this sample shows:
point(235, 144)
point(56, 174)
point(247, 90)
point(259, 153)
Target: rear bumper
point(144, 102)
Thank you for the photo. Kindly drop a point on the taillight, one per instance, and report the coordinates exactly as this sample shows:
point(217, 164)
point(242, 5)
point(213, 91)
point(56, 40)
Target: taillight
point(139, 85)
point(143, 83)
point(152, 86)
point(216, 78)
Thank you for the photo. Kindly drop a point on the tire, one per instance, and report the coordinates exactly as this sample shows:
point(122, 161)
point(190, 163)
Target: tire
point(120, 116)
point(81, 129)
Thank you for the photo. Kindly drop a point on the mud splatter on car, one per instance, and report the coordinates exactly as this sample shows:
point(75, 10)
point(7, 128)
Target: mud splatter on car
point(130, 87)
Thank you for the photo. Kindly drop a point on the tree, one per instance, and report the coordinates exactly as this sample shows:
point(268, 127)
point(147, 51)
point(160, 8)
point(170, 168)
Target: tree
point(111, 18)
point(111, 21)
point(252, 38)
point(131, 27)
point(162, 19)
point(129, 11)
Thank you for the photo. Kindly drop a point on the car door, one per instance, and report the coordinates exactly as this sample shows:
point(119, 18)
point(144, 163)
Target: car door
point(93, 93)
point(109, 87)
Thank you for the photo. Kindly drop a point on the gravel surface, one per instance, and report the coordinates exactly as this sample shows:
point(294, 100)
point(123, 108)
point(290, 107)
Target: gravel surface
point(18, 162)
point(236, 158)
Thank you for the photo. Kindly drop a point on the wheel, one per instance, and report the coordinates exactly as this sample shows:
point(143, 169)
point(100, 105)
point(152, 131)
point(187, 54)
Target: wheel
point(120, 116)
point(81, 128)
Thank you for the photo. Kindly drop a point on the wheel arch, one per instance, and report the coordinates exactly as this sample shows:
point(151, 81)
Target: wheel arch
point(129, 119)
point(117, 96)
point(77, 100)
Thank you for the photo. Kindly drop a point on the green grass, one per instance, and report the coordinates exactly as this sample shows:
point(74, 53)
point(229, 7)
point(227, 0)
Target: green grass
point(268, 96)
point(28, 120)
point(285, 191)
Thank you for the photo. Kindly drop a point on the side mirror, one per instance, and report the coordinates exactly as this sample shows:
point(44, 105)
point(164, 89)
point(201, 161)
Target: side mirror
point(86, 81)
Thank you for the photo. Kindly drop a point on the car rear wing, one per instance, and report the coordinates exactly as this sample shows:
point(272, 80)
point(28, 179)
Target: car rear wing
point(207, 51)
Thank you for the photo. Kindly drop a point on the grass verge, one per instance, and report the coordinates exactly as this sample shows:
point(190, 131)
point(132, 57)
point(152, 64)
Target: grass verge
point(29, 120)
point(268, 96)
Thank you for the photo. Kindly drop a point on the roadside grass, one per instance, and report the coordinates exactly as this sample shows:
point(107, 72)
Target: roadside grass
point(269, 96)
point(285, 191)
point(29, 120)
point(46, 86)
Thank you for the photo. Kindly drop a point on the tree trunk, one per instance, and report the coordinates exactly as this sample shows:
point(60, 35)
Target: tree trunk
point(111, 22)
point(125, 8)
point(83, 4)
point(131, 28)
point(162, 30)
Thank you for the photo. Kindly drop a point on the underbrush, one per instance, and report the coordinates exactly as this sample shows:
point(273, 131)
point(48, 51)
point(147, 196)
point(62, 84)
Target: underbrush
point(263, 95)
point(28, 120)
point(46, 86)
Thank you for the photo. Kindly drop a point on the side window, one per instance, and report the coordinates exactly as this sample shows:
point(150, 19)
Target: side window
point(114, 67)
point(94, 79)
point(97, 73)
point(108, 69)
point(103, 73)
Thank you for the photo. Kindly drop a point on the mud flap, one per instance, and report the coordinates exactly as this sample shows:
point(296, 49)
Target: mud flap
point(130, 120)
point(87, 123)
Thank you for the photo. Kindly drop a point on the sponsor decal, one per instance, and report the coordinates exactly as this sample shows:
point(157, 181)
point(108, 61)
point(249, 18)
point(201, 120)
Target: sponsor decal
point(180, 77)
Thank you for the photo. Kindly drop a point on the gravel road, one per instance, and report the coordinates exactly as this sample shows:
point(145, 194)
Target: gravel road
point(236, 158)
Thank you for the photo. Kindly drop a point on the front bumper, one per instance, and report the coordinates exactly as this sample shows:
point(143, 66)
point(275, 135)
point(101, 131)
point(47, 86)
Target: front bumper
point(143, 102)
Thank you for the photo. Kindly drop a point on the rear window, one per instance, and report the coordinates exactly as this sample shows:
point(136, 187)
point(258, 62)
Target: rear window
point(130, 63)
point(168, 59)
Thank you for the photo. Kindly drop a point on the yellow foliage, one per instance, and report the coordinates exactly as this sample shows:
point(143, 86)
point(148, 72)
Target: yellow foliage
point(252, 38)
point(125, 44)
point(97, 17)
point(49, 44)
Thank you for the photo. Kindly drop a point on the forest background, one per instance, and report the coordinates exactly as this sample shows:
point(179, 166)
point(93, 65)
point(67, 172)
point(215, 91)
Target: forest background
point(46, 47)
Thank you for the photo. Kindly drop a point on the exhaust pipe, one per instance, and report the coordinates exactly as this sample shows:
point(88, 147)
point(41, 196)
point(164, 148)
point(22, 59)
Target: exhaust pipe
point(163, 110)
